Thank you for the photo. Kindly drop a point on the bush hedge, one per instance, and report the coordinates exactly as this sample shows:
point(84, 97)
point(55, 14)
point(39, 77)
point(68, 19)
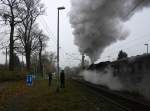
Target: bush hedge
point(12, 75)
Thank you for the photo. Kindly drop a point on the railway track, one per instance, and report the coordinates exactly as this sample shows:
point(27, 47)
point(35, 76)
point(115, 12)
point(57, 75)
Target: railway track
point(120, 101)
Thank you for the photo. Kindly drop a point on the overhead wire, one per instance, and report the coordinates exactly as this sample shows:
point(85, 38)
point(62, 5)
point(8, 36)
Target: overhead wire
point(134, 8)
point(47, 29)
point(66, 53)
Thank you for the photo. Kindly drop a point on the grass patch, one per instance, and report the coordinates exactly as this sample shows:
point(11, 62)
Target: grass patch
point(75, 97)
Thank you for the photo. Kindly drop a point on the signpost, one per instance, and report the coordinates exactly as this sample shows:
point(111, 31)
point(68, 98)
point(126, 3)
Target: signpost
point(29, 80)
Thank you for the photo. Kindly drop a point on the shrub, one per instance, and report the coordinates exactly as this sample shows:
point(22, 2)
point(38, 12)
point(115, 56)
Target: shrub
point(12, 75)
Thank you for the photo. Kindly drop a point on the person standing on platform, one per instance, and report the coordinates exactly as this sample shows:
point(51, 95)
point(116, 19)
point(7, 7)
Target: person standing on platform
point(49, 78)
point(62, 79)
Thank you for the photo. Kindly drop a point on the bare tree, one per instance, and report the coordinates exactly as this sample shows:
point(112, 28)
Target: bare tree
point(39, 44)
point(10, 11)
point(42, 44)
point(49, 59)
point(26, 35)
point(31, 46)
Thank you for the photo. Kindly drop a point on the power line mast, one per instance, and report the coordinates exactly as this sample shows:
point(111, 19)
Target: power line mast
point(147, 45)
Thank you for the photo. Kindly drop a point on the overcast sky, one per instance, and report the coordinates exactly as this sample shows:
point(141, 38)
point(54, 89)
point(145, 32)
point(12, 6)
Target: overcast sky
point(139, 26)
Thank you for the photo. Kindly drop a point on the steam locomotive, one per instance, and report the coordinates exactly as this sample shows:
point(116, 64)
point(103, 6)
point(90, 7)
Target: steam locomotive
point(133, 68)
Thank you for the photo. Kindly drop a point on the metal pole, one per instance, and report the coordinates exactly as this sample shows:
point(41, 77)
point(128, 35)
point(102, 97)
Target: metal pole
point(6, 58)
point(59, 8)
point(108, 58)
point(147, 47)
point(58, 52)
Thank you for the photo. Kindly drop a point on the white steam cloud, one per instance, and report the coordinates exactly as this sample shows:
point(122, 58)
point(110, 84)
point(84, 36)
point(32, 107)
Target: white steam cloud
point(105, 78)
point(99, 23)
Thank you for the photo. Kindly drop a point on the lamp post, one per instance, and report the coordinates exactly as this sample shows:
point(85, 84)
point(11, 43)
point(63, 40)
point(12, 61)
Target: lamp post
point(59, 8)
point(147, 47)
